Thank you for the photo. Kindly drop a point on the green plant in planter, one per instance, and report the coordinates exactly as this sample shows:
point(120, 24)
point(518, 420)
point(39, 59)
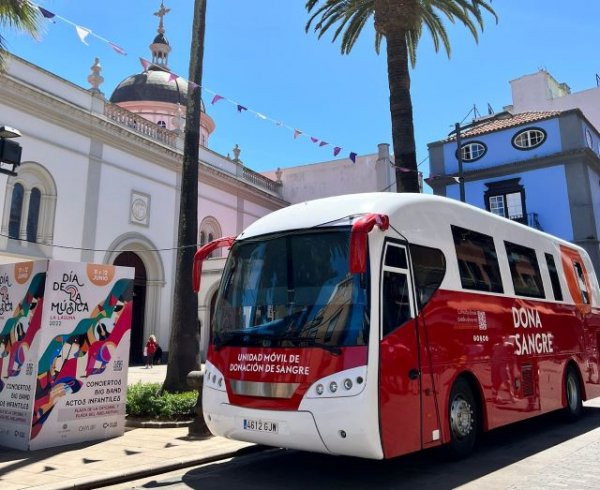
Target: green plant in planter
point(145, 400)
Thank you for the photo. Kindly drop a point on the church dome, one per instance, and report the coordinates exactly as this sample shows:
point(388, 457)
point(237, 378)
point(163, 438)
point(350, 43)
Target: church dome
point(151, 86)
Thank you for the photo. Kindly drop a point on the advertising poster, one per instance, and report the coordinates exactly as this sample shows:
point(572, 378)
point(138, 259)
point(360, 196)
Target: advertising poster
point(80, 388)
point(21, 305)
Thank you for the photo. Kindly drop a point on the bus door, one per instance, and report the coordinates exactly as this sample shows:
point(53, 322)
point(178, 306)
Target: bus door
point(579, 286)
point(399, 387)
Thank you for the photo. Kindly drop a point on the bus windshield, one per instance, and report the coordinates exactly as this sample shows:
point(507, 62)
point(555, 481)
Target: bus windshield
point(292, 290)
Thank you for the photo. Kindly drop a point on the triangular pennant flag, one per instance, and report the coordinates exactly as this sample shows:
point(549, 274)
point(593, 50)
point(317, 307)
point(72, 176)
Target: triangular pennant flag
point(323, 143)
point(404, 169)
point(313, 139)
point(173, 76)
point(82, 32)
point(278, 123)
point(118, 49)
point(352, 157)
point(262, 116)
point(145, 64)
point(336, 151)
point(192, 85)
point(297, 133)
point(241, 108)
point(217, 98)
point(46, 13)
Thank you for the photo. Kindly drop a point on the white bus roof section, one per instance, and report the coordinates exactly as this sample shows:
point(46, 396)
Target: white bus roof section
point(408, 211)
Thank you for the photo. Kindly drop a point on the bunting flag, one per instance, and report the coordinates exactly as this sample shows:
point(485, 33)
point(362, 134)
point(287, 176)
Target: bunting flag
point(404, 169)
point(241, 108)
point(336, 151)
point(353, 156)
point(313, 139)
point(323, 143)
point(46, 13)
point(192, 85)
point(297, 133)
point(118, 49)
point(216, 99)
point(172, 77)
point(261, 116)
point(82, 32)
point(145, 64)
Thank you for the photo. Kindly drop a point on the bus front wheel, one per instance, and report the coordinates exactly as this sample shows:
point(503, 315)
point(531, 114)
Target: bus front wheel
point(574, 407)
point(463, 415)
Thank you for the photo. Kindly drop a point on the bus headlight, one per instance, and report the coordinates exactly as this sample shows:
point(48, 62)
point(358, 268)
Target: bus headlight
point(334, 383)
point(213, 378)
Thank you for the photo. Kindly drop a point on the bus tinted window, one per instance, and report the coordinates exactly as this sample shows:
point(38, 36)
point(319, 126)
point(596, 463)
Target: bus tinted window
point(554, 277)
point(525, 270)
point(429, 265)
point(477, 260)
point(395, 301)
point(396, 257)
point(585, 295)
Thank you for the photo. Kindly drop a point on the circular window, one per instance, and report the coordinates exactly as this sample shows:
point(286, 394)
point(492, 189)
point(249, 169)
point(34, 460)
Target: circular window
point(473, 150)
point(529, 138)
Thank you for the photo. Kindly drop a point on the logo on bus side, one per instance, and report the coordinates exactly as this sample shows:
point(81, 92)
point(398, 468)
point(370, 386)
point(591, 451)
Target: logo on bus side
point(530, 342)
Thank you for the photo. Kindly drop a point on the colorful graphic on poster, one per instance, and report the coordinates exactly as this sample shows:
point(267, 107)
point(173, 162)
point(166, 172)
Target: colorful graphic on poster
point(21, 305)
point(64, 352)
point(82, 368)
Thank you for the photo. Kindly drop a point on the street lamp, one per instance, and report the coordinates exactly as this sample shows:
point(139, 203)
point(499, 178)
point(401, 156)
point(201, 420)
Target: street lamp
point(461, 181)
point(10, 151)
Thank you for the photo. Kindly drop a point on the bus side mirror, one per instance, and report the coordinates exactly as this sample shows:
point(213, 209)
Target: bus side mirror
point(204, 252)
point(358, 239)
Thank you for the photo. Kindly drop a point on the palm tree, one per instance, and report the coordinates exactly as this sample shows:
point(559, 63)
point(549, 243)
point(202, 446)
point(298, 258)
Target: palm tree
point(20, 15)
point(184, 341)
point(401, 22)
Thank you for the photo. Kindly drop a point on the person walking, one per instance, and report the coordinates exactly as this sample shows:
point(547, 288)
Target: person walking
point(150, 349)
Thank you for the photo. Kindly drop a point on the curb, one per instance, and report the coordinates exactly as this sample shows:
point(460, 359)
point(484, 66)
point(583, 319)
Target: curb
point(136, 474)
point(155, 424)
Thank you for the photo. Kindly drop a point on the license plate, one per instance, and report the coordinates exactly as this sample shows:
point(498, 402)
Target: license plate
point(260, 425)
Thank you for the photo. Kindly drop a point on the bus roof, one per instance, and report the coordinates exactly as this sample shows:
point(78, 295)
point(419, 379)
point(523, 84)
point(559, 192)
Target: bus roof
point(410, 207)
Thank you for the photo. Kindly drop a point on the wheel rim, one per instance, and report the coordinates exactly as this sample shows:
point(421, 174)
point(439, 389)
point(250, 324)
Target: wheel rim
point(572, 392)
point(461, 417)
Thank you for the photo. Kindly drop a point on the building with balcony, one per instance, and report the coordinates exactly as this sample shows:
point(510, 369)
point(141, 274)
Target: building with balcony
point(538, 168)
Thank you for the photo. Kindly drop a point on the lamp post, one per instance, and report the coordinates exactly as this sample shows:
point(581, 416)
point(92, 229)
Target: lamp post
point(461, 180)
point(10, 151)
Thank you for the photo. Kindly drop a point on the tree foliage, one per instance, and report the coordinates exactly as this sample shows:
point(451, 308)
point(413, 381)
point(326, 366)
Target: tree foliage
point(19, 15)
point(402, 23)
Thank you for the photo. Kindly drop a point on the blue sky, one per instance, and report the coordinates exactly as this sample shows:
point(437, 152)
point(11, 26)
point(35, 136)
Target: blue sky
point(257, 54)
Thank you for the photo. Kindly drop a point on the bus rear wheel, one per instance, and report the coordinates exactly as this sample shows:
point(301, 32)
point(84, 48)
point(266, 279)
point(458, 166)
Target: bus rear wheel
point(574, 407)
point(463, 416)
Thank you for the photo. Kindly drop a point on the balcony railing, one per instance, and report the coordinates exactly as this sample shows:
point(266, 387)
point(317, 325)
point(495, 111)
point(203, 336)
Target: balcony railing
point(530, 220)
point(140, 125)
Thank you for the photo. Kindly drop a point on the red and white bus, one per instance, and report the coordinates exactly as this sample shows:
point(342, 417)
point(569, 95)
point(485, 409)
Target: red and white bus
point(375, 325)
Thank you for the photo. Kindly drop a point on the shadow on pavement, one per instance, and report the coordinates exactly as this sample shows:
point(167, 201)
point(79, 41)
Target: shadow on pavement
point(428, 469)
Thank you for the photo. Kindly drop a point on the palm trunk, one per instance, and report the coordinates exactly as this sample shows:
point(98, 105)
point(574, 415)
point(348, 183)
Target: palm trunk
point(403, 133)
point(184, 341)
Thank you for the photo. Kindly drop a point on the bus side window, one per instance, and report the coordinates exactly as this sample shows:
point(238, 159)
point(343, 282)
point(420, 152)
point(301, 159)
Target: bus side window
point(429, 265)
point(477, 260)
point(585, 295)
point(395, 300)
point(556, 289)
point(525, 270)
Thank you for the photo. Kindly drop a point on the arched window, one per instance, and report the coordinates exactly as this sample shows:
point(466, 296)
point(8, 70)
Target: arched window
point(162, 124)
point(33, 214)
point(30, 205)
point(209, 231)
point(16, 209)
